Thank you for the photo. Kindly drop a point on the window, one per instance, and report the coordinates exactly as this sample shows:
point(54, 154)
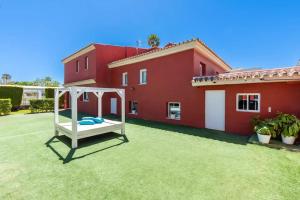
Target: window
point(143, 76)
point(86, 62)
point(77, 66)
point(133, 107)
point(174, 110)
point(125, 79)
point(248, 102)
point(202, 69)
point(85, 96)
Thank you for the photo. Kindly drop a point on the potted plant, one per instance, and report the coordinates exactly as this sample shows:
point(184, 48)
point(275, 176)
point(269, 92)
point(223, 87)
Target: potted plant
point(289, 127)
point(263, 134)
point(264, 129)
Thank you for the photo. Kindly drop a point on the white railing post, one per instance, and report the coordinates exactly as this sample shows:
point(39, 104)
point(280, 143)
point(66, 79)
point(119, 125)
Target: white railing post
point(123, 111)
point(56, 102)
point(99, 96)
point(74, 117)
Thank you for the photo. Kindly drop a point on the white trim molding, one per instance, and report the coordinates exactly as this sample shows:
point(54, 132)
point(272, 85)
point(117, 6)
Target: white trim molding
point(83, 82)
point(82, 51)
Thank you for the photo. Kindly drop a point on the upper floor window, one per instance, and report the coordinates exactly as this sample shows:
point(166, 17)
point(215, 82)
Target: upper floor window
point(85, 96)
point(202, 69)
point(77, 66)
point(143, 76)
point(86, 62)
point(174, 110)
point(125, 79)
point(248, 102)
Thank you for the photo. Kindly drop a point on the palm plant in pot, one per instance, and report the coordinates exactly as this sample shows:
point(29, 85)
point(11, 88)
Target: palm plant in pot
point(265, 129)
point(289, 127)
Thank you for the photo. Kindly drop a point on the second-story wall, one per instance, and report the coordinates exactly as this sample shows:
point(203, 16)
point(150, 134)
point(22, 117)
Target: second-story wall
point(70, 74)
point(168, 80)
point(211, 68)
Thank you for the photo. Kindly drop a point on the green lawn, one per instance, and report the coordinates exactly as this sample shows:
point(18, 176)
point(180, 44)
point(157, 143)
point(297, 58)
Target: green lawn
point(159, 162)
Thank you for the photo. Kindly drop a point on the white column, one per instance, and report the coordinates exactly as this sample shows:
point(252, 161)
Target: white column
point(99, 96)
point(74, 117)
point(56, 102)
point(123, 111)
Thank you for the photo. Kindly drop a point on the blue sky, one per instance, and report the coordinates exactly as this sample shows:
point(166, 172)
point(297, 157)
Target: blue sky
point(36, 35)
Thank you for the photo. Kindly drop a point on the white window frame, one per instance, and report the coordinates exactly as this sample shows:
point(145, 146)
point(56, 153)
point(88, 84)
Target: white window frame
point(141, 76)
point(77, 66)
point(173, 102)
point(124, 80)
point(85, 97)
point(247, 110)
point(86, 60)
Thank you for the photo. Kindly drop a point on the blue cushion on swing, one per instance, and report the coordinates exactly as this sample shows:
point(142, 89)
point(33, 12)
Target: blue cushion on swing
point(86, 122)
point(87, 118)
point(98, 120)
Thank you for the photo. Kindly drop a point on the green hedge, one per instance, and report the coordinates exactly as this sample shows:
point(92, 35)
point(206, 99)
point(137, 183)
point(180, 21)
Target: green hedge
point(5, 106)
point(14, 93)
point(41, 105)
point(49, 92)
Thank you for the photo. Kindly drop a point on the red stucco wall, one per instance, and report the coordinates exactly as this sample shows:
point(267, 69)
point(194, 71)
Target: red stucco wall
point(169, 80)
point(281, 97)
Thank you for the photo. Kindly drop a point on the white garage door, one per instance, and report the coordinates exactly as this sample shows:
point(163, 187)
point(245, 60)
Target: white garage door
point(215, 109)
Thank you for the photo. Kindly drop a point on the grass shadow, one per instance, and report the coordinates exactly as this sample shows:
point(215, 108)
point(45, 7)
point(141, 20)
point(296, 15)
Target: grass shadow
point(82, 143)
point(199, 132)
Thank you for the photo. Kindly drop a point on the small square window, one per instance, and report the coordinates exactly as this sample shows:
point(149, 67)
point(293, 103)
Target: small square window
point(174, 110)
point(133, 107)
point(85, 97)
point(248, 102)
point(125, 79)
point(143, 76)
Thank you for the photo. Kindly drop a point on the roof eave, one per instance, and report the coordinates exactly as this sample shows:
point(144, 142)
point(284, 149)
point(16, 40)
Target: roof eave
point(194, 44)
point(78, 53)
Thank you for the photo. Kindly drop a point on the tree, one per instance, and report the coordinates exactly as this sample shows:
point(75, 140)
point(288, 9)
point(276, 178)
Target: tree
point(47, 82)
point(6, 78)
point(153, 40)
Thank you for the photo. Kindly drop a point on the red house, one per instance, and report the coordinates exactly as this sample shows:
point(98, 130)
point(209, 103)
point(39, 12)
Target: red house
point(185, 83)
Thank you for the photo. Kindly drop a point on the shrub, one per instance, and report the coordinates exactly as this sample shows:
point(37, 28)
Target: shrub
point(41, 105)
point(5, 106)
point(14, 93)
point(265, 127)
point(288, 125)
point(49, 92)
point(264, 131)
